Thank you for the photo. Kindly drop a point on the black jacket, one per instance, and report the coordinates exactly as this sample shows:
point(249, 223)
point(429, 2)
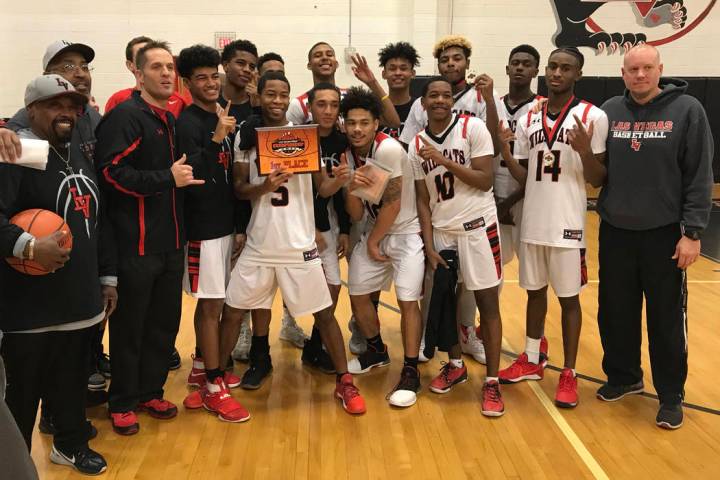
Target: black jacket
point(331, 147)
point(441, 327)
point(72, 293)
point(211, 210)
point(134, 153)
point(659, 161)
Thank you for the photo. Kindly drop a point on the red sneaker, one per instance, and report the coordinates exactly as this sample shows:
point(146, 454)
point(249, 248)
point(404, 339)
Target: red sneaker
point(196, 377)
point(566, 395)
point(125, 423)
point(492, 403)
point(227, 408)
point(521, 369)
point(450, 375)
point(346, 391)
point(159, 408)
point(194, 399)
point(231, 380)
point(544, 351)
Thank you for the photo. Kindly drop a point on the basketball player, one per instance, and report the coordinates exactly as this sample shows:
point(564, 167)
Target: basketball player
point(389, 248)
point(52, 318)
point(479, 100)
point(239, 62)
point(554, 151)
point(141, 173)
point(176, 103)
point(398, 61)
point(452, 163)
point(522, 68)
point(204, 135)
point(270, 61)
point(332, 222)
point(281, 252)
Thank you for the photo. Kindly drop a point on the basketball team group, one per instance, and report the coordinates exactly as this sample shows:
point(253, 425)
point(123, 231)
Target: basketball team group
point(430, 190)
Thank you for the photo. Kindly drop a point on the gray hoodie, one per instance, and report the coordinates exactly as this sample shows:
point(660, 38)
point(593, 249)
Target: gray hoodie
point(659, 161)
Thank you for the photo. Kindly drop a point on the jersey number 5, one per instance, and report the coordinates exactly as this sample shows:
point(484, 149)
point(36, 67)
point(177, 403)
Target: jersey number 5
point(552, 168)
point(445, 186)
point(280, 197)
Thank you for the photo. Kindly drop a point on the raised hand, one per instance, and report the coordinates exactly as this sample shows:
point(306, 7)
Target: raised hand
point(505, 135)
point(484, 83)
point(360, 179)
point(225, 124)
point(361, 69)
point(276, 179)
point(183, 174)
point(342, 171)
point(429, 152)
point(580, 138)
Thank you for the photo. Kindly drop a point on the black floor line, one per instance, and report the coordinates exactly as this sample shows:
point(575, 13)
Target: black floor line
point(691, 406)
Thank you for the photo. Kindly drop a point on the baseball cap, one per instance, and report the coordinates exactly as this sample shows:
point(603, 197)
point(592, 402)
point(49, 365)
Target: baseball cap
point(62, 46)
point(49, 86)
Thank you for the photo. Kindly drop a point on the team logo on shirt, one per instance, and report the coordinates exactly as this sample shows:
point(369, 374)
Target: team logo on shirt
point(311, 255)
point(77, 193)
point(572, 235)
point(288, 145)
point(577, 27)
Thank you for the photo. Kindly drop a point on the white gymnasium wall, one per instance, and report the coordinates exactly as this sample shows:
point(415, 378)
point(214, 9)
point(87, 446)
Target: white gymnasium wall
point(291, 27)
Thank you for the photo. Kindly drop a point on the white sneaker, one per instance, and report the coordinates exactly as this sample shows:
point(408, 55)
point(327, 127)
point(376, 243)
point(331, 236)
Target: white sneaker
point(471, 344)
point(241, 352)
point(357, 343)
point(421, 356)
point(292, 333)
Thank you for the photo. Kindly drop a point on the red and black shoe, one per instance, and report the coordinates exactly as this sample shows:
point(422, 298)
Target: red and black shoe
point(159, 408)
point(125, 423)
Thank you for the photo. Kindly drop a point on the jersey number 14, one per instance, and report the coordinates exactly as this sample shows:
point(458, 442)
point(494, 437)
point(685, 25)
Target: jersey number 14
point(548, 162)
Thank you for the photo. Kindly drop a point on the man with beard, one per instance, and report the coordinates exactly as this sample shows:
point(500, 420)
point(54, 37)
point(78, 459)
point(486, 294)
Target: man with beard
point(79, 292)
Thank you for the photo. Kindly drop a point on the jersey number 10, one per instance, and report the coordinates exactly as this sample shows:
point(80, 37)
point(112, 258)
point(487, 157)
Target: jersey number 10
point(445, 185)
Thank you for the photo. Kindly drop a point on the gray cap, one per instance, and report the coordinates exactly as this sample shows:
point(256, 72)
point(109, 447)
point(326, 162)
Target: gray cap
point(49, 86)
point(62, 46)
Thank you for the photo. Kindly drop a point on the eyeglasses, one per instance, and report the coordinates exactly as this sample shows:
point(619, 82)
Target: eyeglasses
point(71, 68)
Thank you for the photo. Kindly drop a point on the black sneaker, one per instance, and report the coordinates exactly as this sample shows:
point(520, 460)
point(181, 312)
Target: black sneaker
point(405, 392)
point(613, 393)
point(175, 360)
point(315, 357)
point(670, 416)
point(96, 382)
point(103, 365)
point(256, 374)
point(83, 459)
point(369, 359)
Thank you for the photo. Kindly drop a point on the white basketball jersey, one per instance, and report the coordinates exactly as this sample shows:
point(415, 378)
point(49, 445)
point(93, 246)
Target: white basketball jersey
point(387, 152)
point(504, 183)
point(282, 225)
point(555, 200)
point(299, 109)
point(456, 206)
point(467, 102)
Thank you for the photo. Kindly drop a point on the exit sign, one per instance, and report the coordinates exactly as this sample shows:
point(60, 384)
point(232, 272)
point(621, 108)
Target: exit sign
point(224, 38)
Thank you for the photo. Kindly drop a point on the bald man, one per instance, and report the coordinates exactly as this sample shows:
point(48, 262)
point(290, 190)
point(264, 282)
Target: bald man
point(654, 206)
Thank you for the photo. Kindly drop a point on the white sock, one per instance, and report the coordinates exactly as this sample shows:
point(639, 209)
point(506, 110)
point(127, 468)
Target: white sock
point(212, 388)
point(456, 362)
point(492, 379)
point(532, 349)
point(198, 364)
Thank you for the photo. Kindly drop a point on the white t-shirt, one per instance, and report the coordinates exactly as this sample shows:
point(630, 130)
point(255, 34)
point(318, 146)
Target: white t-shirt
point(299, 109)
point(467, 102)
point(282, 225)
point(555, 199)
point(504, 183)
point(456, 206)
point(388, 153)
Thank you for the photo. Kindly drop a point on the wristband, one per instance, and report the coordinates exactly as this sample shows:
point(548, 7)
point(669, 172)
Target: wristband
point(387, 95)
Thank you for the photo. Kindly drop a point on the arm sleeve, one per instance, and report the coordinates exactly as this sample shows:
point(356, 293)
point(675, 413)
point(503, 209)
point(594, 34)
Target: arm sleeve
point(480, 140)
point(414, 123)
point(343, 217)
point(10, 235)
point(600, 132)
point(520, 146)
point(118, 138)
point(107, 248)
point(696, 167)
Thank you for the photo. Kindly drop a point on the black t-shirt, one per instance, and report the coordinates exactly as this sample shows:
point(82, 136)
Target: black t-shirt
point(209, 208)
point(331, 147)
point(403, 111)
point(241, 111)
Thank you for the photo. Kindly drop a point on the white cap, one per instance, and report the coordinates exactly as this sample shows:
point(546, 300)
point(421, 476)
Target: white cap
point(49, 86)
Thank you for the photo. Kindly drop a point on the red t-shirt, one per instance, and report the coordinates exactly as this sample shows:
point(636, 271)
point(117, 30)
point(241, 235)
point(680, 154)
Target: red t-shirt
point(175, 104)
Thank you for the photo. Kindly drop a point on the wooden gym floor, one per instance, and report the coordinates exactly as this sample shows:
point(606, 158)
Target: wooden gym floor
point(298, 430)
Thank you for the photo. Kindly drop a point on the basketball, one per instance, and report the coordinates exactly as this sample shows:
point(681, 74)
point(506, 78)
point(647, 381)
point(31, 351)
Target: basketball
point(39, 223)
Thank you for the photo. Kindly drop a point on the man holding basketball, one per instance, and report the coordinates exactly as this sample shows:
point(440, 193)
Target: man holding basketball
point(58, 329)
